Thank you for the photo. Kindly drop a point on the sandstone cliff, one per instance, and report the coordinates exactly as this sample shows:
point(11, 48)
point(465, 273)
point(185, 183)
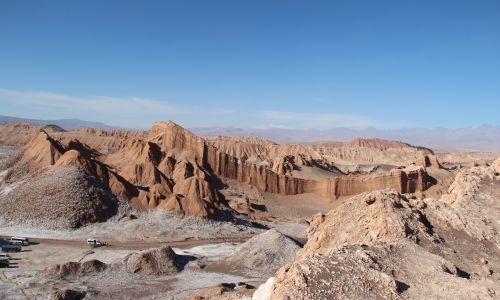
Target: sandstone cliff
point(371, 151)
point(171, 168)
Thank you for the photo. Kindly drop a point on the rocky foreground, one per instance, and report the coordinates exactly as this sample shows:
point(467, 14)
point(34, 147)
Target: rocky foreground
point(387, 245)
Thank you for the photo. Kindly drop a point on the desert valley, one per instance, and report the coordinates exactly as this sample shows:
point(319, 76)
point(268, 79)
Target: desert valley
point(167, 214)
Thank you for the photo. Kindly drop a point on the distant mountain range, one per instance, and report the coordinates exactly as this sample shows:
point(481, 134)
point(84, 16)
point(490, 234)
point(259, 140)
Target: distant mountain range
point(68, 124)
point(484, 138)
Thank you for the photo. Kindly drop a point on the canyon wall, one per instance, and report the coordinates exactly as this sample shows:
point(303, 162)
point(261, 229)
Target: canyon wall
point(268, 181)
point(171, 136)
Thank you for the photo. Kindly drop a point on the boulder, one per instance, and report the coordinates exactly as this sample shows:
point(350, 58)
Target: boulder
point(67, 294)
point(160, 261)
point(265, 252)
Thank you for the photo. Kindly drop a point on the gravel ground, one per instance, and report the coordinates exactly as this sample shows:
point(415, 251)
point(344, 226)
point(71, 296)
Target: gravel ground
point(156, 226)
point(7, 155)
point(26, 276)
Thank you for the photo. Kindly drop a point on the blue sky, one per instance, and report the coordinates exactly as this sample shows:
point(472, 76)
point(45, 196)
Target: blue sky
point(304, 64)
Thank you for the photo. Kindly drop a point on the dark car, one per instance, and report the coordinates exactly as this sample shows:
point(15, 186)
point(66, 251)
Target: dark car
point(11, 248)
point(4, 262)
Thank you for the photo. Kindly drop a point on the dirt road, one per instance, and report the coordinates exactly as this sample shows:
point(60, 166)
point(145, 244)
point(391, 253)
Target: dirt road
point(114, 245)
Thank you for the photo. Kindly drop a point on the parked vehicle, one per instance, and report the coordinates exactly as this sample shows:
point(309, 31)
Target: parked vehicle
point(94, 243)
point(16, 240)
point(4, 262)
point(11, 248)
point(4, 255)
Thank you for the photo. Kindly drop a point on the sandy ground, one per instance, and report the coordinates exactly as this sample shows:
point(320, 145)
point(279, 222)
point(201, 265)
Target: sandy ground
point(157, 226)
point(208, 241)
point(297, 207)
point(24, 279)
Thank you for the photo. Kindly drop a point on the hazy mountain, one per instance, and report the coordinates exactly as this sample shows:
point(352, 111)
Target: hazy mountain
point(67, 124)
point(484, 138)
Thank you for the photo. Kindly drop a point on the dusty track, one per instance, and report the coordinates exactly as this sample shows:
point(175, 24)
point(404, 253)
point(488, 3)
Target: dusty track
point(186, 243)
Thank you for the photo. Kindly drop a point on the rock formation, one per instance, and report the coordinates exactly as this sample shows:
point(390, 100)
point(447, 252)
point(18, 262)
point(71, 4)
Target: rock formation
point(371, 151)
point(224, 291)
point(67, 294)
point(161, 261)
point(496, 166)
point(386, 245)
point(74, 269)
point(171, 168)
point(264, 253)
point(64, 197)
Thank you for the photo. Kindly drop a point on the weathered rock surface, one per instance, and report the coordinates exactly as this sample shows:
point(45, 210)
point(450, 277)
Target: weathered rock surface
point(63, 197)
point(371, 151)
point(264, 253)
point(496, 166)
point(224, 291)
point(67, 294)
point(171, 168)
point(161, 261)
point(74, 269)
point(387, 245)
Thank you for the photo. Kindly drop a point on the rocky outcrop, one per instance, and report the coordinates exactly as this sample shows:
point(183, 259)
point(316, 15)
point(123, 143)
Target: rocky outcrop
point(429, 160)
point(269, 181)
point(386, 216)
point(264, 253)
point(382, 144)
point(383, 245)
point(193, 196)
point(75, 269)
point(224, 291)
point(172, 138)
point(42, 151)
point(137, 161)
point(58, 198)
point(496, 166)
point(67, 294)
point(371, 151)
point(102, 140)
point(17, 134)
point(84, 159)
point(161, 261)
point(174, 169)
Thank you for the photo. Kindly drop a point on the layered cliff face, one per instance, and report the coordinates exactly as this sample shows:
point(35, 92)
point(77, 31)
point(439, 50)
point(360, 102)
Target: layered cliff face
point(131, 174)
point(371, 151)
point(174, 139)
point(296, 160)
point(171, 168)
point(42, 151)
point(17, 134)
point(269, 181)
point(137, 161)
point(101, 140)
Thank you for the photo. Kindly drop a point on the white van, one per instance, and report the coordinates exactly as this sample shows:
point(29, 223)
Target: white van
point(16, 240)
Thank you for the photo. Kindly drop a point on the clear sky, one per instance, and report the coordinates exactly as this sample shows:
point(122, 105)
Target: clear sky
point(307, 64)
